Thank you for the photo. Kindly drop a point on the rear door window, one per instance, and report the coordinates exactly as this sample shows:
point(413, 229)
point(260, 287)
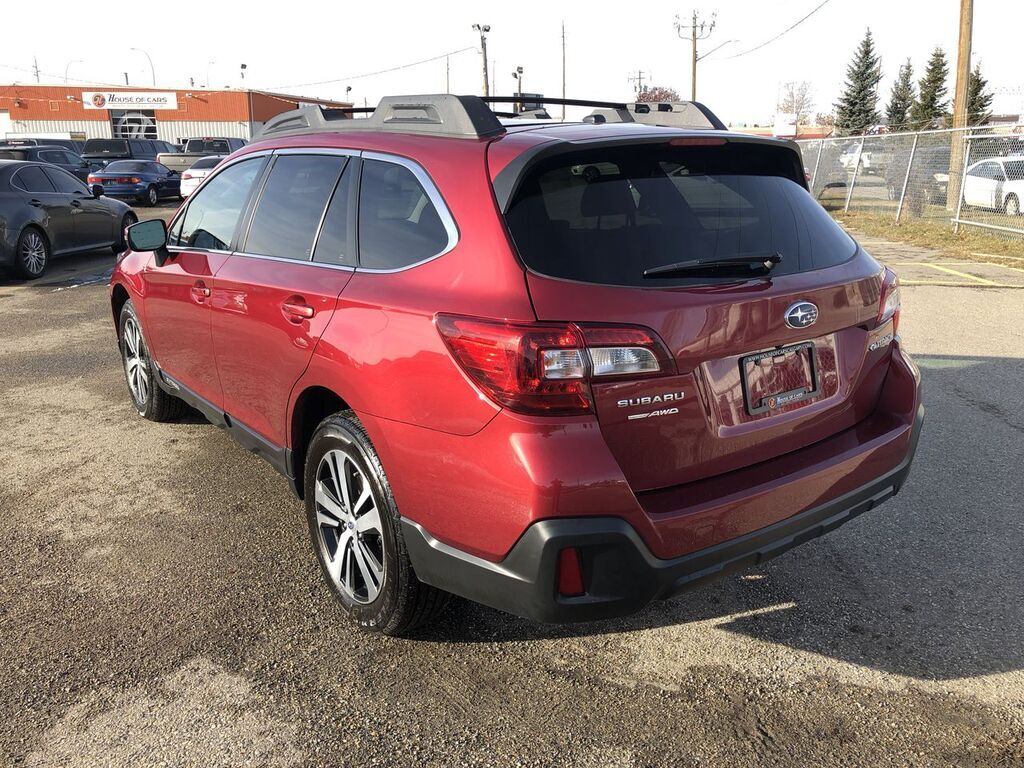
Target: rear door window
point(292, 205)
point(336, 243)
point(606, 216)
point(212, 215)
point(398, 223)
point(32, 179)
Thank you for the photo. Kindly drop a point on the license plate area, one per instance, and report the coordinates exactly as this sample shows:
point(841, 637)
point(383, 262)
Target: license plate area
point(779, 377)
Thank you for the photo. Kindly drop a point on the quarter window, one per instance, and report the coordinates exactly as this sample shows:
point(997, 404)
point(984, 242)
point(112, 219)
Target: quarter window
point(292, 205)
point(398, 224)
point(213, 213)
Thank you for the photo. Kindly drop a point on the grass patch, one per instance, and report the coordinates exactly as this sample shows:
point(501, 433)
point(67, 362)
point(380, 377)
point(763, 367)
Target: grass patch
point(964, 244)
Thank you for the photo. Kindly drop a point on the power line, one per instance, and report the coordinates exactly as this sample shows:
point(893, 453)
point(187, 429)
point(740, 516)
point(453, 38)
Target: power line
point(371, 74)
point(788, 29)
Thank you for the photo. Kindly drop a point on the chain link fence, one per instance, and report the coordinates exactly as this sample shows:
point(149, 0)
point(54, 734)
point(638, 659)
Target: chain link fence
point(922, 176)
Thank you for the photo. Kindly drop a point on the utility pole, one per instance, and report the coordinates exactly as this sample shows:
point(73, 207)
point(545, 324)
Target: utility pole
point(447, 74)
point(698, 29)
point(960, 113)
point(483, 29)
point(35, 67)
point(638, 82)
point(563, 69)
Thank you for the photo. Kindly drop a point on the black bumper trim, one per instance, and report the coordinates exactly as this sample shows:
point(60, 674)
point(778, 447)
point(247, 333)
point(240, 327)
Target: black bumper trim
point(619, 570)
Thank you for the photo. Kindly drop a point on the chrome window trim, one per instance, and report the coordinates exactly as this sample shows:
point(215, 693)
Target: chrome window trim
point(433, 194)
point(285, 260)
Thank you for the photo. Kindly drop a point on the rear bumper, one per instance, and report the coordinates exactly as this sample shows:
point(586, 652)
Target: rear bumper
point(620, 573)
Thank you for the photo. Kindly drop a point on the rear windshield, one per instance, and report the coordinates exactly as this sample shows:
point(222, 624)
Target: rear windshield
point(206, 162)
point(106, 147)
point(605, 216)
point(13, 154)
point(208, 145)
point(128, 166)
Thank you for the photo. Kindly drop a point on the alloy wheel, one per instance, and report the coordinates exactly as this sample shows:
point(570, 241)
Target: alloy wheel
point(349, 527)
point(135, 366)
point(1012, 207)
point(153, 197)
point(33, 252)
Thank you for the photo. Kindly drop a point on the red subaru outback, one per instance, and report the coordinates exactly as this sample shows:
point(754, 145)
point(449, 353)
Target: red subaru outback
point(561, 369)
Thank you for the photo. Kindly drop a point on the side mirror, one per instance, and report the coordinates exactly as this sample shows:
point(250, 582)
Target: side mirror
point(97, 190)
point(149, 235)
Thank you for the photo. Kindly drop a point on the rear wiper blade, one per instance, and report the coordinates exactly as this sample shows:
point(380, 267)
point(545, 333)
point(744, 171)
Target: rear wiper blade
point(765, 262)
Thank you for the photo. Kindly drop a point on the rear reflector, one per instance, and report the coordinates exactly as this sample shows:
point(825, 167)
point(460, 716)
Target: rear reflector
point(547, 368)
point(570, 574)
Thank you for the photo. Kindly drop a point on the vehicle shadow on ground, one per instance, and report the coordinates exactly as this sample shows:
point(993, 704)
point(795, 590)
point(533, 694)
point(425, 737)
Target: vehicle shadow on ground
point(65, 271)
point(928, 585)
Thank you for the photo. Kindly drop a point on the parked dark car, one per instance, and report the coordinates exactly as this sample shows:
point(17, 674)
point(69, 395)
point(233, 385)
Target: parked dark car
point(72, 162)
point(145, 181)
point(74, 145)
point(45, 211)
point(103, 151)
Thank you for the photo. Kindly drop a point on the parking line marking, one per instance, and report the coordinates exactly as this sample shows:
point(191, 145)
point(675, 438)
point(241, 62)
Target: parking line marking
point(962, 274)
point(998, 256)
point(951, 284)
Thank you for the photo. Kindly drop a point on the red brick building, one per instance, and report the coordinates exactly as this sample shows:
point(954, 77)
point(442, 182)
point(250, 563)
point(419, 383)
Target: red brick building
point(156, 113)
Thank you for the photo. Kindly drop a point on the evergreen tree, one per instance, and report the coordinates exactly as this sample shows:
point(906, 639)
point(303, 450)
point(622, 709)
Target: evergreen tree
point(979, 99)
point(857, 108)
point(901, 99)
point(931, 105)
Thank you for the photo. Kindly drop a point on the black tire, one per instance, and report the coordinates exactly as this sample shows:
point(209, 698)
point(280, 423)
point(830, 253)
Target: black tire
point(1011, 205)
point(152, 196)
point(403, 602)
point(127, 220)
point(32, 256)
point(155, 404)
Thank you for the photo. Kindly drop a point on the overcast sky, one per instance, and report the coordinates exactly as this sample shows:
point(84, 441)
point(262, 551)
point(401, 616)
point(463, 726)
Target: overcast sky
point(289, 45)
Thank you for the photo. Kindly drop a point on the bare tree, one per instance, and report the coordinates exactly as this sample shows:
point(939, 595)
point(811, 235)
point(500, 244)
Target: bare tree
point(797, 100)
point(657, 93)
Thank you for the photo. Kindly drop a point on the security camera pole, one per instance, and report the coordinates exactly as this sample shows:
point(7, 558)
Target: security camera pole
point(483, 29)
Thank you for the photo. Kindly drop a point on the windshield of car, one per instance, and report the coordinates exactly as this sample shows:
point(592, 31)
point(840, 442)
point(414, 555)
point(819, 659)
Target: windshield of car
point(606, 216)
point(106, 147)
point(128, 166)
point(205, 163)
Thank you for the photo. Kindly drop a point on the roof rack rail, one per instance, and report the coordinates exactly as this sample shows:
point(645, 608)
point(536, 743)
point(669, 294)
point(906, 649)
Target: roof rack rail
point(471, 117)
point(440, 114)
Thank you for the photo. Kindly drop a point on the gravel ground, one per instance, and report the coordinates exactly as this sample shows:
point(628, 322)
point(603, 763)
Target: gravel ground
point(160, 604)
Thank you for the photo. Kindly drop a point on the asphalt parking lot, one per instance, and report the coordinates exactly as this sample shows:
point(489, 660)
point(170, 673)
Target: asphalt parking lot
point(160, 603)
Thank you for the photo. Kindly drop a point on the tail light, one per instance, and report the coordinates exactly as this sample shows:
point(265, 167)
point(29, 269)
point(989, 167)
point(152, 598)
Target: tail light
point(94, 179)
point(547, 368)
point(186, 175)
point(134, 180)
point(889, 304)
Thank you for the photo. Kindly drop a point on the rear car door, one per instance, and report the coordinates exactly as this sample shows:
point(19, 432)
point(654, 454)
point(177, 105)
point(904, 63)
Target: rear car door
point(32, 183)
point(177, 293)
point(94, 226)
point(980, 185)
point(275, 296)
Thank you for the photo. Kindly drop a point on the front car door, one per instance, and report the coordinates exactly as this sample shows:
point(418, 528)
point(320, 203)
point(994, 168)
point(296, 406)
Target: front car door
point(275, 296)
point(32, 183)
point(94, 226)
point(980, 186)
point(177, 293)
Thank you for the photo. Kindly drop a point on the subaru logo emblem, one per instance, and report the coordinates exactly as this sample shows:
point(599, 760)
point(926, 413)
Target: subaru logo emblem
point(801, 314)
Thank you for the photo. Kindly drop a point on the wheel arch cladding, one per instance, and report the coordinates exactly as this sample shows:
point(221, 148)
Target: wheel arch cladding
point(118, 298)
point(313, 405)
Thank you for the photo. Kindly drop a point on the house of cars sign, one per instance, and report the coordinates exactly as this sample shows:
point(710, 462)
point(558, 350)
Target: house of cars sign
point(129, 100)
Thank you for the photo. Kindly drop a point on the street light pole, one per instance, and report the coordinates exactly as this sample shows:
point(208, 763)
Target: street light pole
point(66, 68)
point(483, 29)
point(518, 75)
point(152, 72)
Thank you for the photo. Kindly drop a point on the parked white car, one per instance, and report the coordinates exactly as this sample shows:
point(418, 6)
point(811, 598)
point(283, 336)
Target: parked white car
point(198, 171)
point(996, 184)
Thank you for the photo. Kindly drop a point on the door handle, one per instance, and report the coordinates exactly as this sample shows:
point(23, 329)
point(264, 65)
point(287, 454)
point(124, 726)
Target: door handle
point(296, 309)
point(200, 292)
point(75, 204)
point(35, 202)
